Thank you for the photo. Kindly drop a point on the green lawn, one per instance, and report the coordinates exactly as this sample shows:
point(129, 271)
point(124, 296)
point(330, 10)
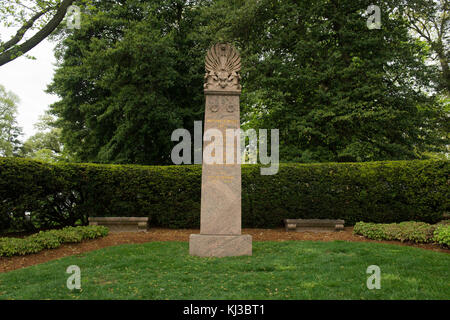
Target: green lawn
point(277, 270)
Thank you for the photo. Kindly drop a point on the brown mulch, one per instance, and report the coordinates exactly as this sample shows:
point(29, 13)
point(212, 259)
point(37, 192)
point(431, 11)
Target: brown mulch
point(17, 262)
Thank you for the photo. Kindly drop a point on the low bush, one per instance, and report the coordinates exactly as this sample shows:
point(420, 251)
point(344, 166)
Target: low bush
point(67, 235)
point(92, 232)
point(412, 231)
point(46, 239)
point(442, 235)
point(58, 195)
point(49, 240)
point(15, 246)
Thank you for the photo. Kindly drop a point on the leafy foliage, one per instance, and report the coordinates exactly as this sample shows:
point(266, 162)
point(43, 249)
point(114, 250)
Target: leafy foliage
point(430, 21)
point(46, 144)
point(49, 240)
point(419, 232)
point(45, 15)
point(442, 235)
point(9, 130)
point(123, 94)
point(336, 90)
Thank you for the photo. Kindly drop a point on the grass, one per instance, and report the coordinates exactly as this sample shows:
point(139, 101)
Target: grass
point(277, 270)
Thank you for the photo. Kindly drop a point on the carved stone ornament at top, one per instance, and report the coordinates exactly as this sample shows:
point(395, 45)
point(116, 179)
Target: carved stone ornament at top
point(222, 65)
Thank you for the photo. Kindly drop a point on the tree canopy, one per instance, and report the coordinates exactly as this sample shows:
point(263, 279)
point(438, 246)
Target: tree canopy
point(430, 20)
point(336, 90)
point(45, 144)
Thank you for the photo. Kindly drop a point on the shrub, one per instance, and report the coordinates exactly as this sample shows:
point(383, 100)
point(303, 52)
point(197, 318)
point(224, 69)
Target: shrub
point(442, 235)
point(15, 246)
point(93, 232)
point(371, 230)
point(67, 235)
point(46, 239)
point(418, 232)
point(59, 195)
point(49, 240)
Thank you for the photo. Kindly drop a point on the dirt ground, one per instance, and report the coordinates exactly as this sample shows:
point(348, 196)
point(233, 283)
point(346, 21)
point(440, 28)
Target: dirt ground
point(17, 262)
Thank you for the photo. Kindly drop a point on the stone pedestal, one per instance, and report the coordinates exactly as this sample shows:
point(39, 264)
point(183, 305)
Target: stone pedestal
point(220, 222)
point(205, 245)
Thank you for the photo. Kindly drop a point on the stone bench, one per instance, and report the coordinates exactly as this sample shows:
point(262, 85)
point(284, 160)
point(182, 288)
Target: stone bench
point(120, 224)
point(313, 225)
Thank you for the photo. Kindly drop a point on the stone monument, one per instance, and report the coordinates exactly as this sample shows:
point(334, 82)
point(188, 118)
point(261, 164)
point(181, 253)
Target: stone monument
point(220, 222)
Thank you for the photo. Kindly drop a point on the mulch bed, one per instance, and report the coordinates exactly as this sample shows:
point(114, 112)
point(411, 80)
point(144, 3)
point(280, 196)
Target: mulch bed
point(17, 262)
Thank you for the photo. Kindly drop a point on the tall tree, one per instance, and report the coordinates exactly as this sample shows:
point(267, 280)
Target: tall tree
point(9, 130)
point(128, 78)
point(46, 144)
point(336, 90)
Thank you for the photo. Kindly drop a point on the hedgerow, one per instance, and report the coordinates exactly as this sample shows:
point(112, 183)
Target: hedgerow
point(58, 195)
point(49, 240)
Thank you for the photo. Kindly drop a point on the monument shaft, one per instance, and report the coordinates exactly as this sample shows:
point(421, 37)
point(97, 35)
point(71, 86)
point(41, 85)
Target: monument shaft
point(221, 182)
point(220, 222)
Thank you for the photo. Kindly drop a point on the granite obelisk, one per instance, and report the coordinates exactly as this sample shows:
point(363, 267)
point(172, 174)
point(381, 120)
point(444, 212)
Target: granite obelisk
point(220, 222)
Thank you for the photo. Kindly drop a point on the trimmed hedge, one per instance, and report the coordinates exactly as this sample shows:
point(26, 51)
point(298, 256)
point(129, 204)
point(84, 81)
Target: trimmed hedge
point(411, 231)
point(66, 194)
point(49, 240)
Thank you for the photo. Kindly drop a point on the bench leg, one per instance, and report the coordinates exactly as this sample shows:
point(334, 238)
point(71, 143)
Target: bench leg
point(142, 226)
point(291, 227)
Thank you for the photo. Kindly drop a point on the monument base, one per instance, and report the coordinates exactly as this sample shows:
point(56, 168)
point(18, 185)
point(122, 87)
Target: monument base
point(205, 245)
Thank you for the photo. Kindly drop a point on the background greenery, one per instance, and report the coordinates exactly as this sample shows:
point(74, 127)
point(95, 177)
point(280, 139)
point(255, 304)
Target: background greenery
point(9, 129)
point(337, 91)
point(66, 194)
